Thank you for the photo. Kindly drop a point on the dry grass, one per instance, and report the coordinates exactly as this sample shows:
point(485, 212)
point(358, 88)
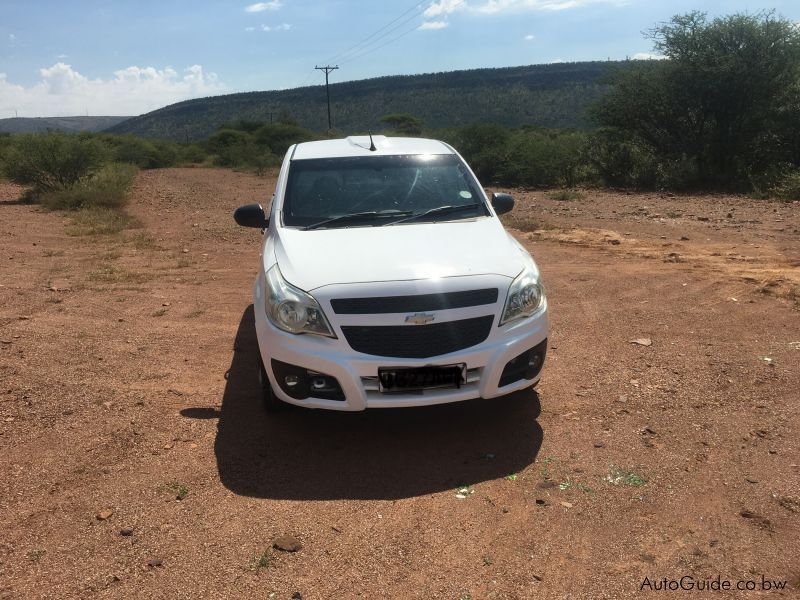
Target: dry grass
point(566, 195)
point(112, 274)
point(524, 222)
point(98, 221)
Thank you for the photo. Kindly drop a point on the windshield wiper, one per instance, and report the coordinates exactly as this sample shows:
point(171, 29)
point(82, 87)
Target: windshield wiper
point(358, 217)
point(440, 210)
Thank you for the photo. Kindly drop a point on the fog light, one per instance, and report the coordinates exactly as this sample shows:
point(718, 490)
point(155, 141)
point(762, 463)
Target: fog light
point(524, 366)
point(300, 383)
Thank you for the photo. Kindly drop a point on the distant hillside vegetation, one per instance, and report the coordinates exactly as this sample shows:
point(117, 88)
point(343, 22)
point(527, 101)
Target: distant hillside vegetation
point(34, 124)
point(554, 95)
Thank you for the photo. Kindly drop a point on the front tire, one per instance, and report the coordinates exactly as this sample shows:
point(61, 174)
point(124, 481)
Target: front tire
point(268, 398)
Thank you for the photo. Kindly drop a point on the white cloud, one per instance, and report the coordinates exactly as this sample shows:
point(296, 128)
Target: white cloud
point(434, 25)
point(281, 27)
point(249, 28)
point(496, 6)
point(444, 7)
point(262, 6)
point(530, 37)
point(647, 56)
point(63, 91)
point(11, 37)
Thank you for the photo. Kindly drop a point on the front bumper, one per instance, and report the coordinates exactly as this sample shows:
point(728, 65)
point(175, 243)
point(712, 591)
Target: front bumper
point(357, 372)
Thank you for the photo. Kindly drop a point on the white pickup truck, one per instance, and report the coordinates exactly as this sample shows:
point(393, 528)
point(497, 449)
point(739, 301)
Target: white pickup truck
point(387, 280)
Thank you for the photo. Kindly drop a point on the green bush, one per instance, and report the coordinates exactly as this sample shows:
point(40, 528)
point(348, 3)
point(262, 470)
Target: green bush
point(192, 154)
point(543, 158)
point(145, 154)
point(789, 186)
point(106, 189)
point(53, 160)
point(619, 161)
point(277, 137)
point(483, 146)
point(404, 124)
point(256, 146)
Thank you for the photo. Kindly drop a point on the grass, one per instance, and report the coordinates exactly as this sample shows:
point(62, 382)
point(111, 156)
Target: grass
point(260, 562)
point(50, 253)
point(566, 195)
point(95, 202)
point(36, 555)
point(180, 489)
point(144, 241)
point(624, 476)
point(107, 188)
point(792, 294)
point(98, 221)
point(523, 222)
point(114, 274)
point(160, 312)
point(195, 313)
point(569, 484)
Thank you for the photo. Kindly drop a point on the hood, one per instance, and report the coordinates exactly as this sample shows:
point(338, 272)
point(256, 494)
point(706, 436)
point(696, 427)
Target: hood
point(312, 259)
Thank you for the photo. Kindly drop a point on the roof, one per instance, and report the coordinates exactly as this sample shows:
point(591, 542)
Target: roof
point(359, 146)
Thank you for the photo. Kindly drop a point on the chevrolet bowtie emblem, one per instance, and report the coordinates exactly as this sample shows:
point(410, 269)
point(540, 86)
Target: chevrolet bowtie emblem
point(420, 319)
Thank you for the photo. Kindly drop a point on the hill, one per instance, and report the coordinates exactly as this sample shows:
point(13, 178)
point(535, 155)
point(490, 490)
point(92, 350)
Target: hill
point(73, 124)
point(554, 95)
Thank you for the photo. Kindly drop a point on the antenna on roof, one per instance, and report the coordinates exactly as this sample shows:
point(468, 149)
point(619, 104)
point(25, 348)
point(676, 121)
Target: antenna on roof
point(372, 147)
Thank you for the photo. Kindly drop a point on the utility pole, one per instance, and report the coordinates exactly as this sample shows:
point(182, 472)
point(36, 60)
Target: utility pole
point(327, 70)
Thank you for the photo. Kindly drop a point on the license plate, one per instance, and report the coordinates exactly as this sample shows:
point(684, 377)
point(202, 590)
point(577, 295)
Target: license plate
point(404, 379)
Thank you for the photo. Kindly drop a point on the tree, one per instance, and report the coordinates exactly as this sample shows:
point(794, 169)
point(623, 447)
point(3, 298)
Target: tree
point(722, 106)
point(403, 123)
point(53, 160)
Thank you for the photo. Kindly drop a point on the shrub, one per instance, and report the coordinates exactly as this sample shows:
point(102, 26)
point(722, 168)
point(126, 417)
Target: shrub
point(277, 137)
point(789, 186)
point(107, 189)
point(53, 160)
point(483, 146)
point(619, 161)
point(404, 124)
point(230, 147)
point(192, 154)
point(145, 154)
point(543, 158)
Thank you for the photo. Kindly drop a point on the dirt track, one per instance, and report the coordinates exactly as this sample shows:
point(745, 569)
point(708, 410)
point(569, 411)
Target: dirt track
point(127, 379)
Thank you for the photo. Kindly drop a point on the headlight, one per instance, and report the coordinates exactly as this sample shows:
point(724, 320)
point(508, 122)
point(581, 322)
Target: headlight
point(525, 294)
point(292, 309)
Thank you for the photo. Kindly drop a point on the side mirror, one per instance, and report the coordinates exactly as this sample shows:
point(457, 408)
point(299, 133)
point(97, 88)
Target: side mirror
point(502, 203)
point(251, 215)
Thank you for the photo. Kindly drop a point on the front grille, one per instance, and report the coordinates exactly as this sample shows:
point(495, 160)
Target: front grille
point(419, 303)
point(418, 341)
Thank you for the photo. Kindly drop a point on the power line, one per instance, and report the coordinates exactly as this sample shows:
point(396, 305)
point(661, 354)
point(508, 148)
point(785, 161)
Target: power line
point(371, 50)
point(367, 50)
point(374, 33)
point(307, 78)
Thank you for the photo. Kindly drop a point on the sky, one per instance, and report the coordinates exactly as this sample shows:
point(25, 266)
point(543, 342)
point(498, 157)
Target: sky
point(94, 57)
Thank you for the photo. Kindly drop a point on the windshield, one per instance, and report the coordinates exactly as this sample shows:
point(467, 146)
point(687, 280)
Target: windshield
point(371, 190)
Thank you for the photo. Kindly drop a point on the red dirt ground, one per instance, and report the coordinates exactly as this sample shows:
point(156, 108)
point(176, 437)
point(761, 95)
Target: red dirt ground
point(127, 380)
